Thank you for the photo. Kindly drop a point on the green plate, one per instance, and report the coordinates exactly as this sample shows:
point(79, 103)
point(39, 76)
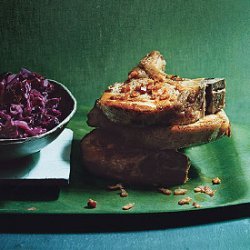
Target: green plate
point(227, 158)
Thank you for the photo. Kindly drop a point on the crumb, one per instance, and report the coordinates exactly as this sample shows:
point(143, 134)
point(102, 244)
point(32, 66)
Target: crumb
point(91, 203)
point(123, 193)
point(198, 189)
point(216, 181)
point(165, 191)
point(184, 201)
point(196, 205)
point(128, 206)
point(31, 208)
point(115, 187)
point(180, 191)
point(205, 189)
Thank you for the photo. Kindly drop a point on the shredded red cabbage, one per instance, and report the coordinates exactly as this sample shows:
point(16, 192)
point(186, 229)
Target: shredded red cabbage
point(28, 105)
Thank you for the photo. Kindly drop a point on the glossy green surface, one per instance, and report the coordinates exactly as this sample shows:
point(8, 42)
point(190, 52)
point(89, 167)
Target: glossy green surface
point(87, 45)
point(227, 158)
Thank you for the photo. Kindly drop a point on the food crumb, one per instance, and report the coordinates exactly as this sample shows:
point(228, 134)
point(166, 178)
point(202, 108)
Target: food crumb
point(165, 191)
point(128, 206)
point(196, 205)
point(185, 201)
point(180, 191)
point(91, 203)
point(216, 181)
point(31, 208)
point(205, 189)
point(123, 193)
point(115, 187)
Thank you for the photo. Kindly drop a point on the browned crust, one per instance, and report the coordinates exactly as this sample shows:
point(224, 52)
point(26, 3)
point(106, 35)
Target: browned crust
point(207, 129)
point(104, 155)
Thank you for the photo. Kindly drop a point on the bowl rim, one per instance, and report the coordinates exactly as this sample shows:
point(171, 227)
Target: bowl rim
point(59, 126)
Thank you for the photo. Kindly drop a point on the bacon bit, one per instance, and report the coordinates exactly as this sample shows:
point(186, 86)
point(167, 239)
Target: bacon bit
point(216, 181)
point(115, 187)
point(165, 191)
point(134, 94)
point(205, 189)
point(180, 191)
point(133, 74)
point(123, 193)
point(128, 206)
point(196, 205)
point(185, 201)
point(125, 88)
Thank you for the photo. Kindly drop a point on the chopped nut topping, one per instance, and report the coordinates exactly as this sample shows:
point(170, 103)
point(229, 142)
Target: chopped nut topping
point(178, 78)
point(185, 201)
point(196, 205)
point(165, 95)
point(165, 191)
point(133, 74)
point(128, 206)
point(180, 191)
point(123, 193)
point(125, 88)
point(205, 189)
point(198, 189)
point(91, 203)
point(157, 86)
point(115, 187)
point(134, 94)
point(150, 86)
point(209, 191)
point(216, 180)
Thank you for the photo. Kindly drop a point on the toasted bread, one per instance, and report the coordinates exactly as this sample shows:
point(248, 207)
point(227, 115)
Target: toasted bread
point(104, 155)
point(207, 129)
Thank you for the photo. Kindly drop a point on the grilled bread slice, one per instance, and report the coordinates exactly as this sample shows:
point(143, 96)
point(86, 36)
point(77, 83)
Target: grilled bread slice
point(105, 155)
point(207, 129)
point(150, 96)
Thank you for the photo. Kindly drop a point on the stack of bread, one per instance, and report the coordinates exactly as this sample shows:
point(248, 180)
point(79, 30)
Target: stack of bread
point(141, 123)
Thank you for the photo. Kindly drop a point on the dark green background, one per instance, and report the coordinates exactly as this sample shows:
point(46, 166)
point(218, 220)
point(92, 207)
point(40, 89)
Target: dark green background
point(87, 45)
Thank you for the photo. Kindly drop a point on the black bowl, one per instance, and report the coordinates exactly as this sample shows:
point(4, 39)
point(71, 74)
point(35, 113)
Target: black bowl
point(16, 148)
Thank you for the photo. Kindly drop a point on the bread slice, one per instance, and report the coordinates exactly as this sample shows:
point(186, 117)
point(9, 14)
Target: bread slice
point(207, 129)
point(105, 155)
point(152, 97)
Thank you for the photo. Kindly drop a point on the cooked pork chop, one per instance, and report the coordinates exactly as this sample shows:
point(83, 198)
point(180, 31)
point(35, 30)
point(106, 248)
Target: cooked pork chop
point(150, 96)
point(104, 155)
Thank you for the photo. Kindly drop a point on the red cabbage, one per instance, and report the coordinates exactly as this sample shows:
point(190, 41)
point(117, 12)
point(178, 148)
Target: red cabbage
point(28, 105)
